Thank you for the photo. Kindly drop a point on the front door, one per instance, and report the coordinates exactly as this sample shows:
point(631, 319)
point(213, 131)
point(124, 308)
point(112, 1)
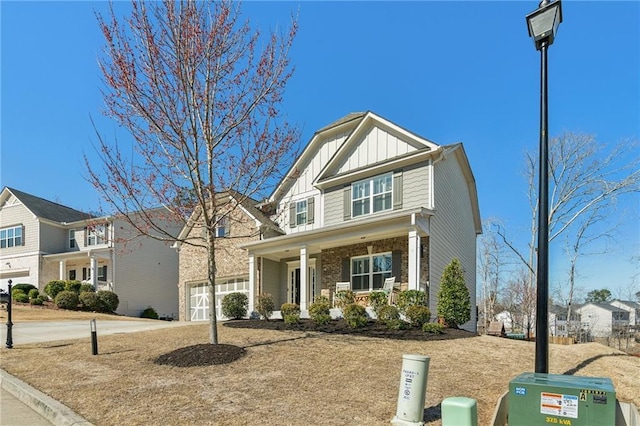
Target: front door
point(293, 293)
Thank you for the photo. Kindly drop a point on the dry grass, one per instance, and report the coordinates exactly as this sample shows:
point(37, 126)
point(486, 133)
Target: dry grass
point(25, 312)
point(288, 377)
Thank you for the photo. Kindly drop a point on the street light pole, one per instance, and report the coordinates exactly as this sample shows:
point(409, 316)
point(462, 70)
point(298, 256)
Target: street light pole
point(542, 273)
point(543, 25)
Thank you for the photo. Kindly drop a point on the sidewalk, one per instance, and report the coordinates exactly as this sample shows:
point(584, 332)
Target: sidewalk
point(25, 405)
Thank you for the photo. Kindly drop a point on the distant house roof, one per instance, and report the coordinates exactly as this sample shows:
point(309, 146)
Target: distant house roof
point(605, 306)
point(49, 210)
point(629, 303)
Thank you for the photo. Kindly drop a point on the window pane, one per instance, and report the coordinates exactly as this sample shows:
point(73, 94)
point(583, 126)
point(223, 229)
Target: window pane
point(382, 263)
point(10, 233)
point(360, 190)
point(360, 282)
point(382, 184)
point(360, 207)
point(18, 232)
point(382, 202)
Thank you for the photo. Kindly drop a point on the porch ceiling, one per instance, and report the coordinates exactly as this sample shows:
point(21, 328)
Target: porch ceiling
point(379, 227)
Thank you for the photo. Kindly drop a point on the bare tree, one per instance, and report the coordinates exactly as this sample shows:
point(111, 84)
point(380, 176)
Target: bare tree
point(199, 91)
point(585, 180)
point(519, 297)
point(493, 262)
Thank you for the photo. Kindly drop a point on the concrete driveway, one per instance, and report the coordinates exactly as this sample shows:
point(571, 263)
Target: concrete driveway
point(48, 331)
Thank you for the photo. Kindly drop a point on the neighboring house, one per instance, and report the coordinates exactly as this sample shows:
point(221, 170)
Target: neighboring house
point(239, 221)
point(42, 241)
point(368, 200)
point(633, 308)
point(602, 319)
point(558, 323)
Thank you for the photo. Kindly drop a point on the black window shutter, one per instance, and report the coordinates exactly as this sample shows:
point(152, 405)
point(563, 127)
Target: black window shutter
point(292, 215)
point(346, 269)
point(397, 190)
point(310, 210)
point(347, 202)
point(396, 264)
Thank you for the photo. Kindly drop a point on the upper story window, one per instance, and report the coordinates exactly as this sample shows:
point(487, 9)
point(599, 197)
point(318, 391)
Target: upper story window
point(11, 237)
point(222, 226)
point(301, 212)
point(372, 195)
point(72, 238)
point(97, 235)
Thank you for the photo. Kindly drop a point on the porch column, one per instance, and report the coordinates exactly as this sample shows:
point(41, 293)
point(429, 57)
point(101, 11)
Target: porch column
point(252, 283)
point(63, 267)
point(414, 260)
point(304, 281)
point(94, 273)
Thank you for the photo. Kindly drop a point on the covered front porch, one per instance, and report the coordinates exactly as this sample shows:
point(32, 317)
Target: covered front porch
point(94, 267)
point(298, 267)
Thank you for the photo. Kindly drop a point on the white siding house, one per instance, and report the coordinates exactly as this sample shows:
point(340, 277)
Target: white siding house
point(61, 243)
point(602, 319)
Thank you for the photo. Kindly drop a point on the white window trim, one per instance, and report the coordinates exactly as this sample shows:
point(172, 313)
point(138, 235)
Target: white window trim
point(371, 195)
point(301, 213)
point(371, 273)
point(4, 241)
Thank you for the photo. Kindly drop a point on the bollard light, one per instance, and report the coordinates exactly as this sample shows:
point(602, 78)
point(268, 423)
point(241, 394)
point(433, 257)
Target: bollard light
point(94, 337)
point(9, 343)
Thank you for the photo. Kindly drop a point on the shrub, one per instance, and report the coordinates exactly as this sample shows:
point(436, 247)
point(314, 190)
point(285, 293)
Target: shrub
point(66, 300)
point(73, 285)
point(149, 312)
point(26, 288)
point(433, 327)
point(454, 303)
point(235, 305)
point(33, 293)
point(108, 301)
point(344, 298)
point(86, 287)
point(19, 296)
point(38, 300)
point(54, 287)
point(396, 324)
point(355, 315)
point(377, 300)
point(319, 311)
point(418, 315)
point(89, 300)
point(291, 319)
point(322, 299)
point(289, 309)
point(388, 313)
point(411, 298)
point(265, 305)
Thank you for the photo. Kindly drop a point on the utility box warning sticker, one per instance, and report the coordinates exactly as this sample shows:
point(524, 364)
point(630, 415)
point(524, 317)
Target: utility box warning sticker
point(559, 405)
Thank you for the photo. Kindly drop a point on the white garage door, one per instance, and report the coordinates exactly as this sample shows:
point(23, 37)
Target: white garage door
point(199, 297)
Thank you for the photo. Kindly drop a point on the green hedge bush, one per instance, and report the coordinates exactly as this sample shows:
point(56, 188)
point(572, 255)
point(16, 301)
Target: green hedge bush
point(388, 313)
point(343, 298)
point(39, 300)
point(54, 287)
point(66, 300)
point(411, 298)
point(108, 301)
point(290, 313)
point(235, 305)
point(265, 305)
point(89, 301)
point(33, 293)
point(355, 315)
point(377, 300)
point(433, 327)
point(87, 287)
point(19, 296)
point(418, 315)
point(320, 311)
point(73, 285)
point(26, 288)
point(149, 312)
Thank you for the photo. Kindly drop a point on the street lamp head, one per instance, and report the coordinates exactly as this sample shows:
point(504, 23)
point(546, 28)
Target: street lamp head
point(543, 23)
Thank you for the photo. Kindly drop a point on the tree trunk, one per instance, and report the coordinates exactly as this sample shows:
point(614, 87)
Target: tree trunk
point(211, 263)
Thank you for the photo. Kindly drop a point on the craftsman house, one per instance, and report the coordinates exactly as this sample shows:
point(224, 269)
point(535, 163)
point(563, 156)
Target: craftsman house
point(42, 241)
point(365, 201)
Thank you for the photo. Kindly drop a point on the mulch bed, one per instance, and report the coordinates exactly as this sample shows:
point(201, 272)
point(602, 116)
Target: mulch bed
point(208, 354)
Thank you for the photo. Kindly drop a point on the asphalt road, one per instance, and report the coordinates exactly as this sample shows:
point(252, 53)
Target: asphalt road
point(49, 331)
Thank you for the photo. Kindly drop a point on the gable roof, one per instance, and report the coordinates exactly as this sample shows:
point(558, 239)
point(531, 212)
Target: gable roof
point(628, 303)
point(46, 209)
point(605, 306)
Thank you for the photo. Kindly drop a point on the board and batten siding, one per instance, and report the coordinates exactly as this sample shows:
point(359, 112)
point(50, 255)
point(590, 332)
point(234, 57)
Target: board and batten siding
point(145, 275)
point(303, 187)
point(452, 231)
point(374, 147)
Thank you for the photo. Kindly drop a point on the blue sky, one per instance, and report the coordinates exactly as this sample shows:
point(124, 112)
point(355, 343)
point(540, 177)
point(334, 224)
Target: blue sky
point(449, 71)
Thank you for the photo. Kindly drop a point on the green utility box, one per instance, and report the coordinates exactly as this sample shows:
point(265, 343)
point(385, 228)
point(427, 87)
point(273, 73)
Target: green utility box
point(548, 399)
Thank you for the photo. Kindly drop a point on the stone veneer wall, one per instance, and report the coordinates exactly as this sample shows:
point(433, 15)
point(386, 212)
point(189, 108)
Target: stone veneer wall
point(332, 259)
point(231, 261)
